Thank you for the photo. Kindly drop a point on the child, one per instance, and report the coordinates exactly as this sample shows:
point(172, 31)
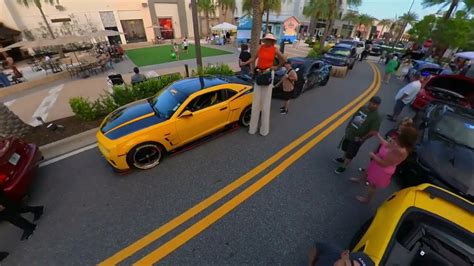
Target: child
point(185, 45)
point(176, 50)
point(383, 56)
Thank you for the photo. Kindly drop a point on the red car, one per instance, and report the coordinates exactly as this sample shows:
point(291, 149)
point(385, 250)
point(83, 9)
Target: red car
point(18, 164)
point(455, 89)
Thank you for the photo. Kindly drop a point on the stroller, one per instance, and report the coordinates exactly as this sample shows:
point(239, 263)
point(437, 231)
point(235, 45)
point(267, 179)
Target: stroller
point(114, 79)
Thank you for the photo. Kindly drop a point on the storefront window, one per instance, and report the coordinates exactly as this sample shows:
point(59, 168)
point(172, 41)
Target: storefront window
point(166, 28)
point(134, 30)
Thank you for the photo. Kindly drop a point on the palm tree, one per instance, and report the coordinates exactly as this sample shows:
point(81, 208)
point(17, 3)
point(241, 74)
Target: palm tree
point(315, 10)
point(365, 20)
point(255, 7)
point(226, 5)
point(404, 20)
point(12, 125)
point(453, 4)
point(207, 7)
point(37, 3)
point(384, 23)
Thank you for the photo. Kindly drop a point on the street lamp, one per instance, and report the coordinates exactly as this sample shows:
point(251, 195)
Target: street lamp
point(197, 38)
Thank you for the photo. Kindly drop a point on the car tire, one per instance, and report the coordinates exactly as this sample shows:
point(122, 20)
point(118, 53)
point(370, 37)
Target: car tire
point(359, 234)
point(325, 81)
point(244, 119)
point(351, 66)
point(145, 156)
point(309, 84)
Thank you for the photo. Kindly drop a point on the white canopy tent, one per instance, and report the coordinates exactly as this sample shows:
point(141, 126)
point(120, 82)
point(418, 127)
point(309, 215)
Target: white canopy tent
point(224, 26)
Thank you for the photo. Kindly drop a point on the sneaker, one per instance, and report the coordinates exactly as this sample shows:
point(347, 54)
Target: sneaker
point(338, 160)
point(284, 111)
point(340, 170)
point(361, 169)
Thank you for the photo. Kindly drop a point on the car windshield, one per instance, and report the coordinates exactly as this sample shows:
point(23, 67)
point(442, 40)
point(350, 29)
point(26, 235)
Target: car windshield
point(167, 102)
point(339, 51)
point(458, 129)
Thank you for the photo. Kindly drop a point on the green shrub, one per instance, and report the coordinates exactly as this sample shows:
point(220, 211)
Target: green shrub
point(124, 94)
point(219, 69)
point(84, 108)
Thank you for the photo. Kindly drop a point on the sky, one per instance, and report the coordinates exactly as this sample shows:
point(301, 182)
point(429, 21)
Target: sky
point(381, 9)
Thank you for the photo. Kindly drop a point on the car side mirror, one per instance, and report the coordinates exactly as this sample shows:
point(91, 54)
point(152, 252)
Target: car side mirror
point(186, 113)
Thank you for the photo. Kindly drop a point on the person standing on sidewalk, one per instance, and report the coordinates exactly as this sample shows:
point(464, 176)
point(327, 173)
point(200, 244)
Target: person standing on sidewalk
point(10, 211)
point(244, 57)
point(405, 96)
point(390, 69)
point(264, 74)
point(288, 83)
point(364, 124)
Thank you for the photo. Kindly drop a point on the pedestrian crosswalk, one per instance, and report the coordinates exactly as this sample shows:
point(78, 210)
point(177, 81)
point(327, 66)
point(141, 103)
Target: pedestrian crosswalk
point(44, 107)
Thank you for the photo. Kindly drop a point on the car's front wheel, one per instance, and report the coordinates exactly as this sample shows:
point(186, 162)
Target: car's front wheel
point(244, 119)
point(324, 81)
point(310, 83)
point(145, 156)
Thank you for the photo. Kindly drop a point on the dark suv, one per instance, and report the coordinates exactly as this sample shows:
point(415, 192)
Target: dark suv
point(341, 55)
point(444, 155)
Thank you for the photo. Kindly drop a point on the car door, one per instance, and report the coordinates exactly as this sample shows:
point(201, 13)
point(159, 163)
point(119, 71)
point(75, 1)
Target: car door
point(203, 115)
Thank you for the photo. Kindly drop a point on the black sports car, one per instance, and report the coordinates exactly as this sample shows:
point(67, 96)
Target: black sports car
point(311, 73)
point(444, 155)
point(375, 50)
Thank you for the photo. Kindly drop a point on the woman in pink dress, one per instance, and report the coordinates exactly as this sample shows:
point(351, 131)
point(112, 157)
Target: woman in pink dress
point(383, 164)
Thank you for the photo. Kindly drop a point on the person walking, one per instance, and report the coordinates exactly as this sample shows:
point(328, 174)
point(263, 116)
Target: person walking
point(186, 45)
point(405, 96)
point(288, 83)
point(244, 57)
point(176, 50)
point(404, 68)
point(264, 74)
point(384, 163)
point(390, 69)
point(10, 211)
point(364, 124)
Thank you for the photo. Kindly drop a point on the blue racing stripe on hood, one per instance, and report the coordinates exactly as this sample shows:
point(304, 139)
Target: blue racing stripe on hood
point(126, 113)
point(134, 127)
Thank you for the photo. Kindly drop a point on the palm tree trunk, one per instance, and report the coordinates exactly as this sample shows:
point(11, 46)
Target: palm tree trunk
point(268, 20)
point(207, 22)
point(454, 4)
point(327, 31)
point(46, 22)
point(257, 13)
point(12, 125)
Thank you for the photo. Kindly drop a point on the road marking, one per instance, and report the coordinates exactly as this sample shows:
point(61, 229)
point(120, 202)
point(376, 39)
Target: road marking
point(9, 103)
point(182, 218)
point(67, 155)
point(227, 207)
point(48, 102)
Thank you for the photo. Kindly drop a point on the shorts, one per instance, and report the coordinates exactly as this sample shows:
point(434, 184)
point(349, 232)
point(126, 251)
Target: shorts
point(287, 95)
point(185, 48)
point(350, 147)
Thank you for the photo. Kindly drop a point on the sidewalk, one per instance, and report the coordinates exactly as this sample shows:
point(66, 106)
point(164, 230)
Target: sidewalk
point(51, 102)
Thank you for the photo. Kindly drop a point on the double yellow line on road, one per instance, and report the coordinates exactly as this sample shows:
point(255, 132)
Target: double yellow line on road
point(228, 206)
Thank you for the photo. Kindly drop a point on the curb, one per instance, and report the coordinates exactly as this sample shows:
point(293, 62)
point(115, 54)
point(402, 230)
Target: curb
point(69, 144)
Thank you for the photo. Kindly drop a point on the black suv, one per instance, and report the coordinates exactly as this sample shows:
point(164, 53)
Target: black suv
point(341, 55)
point(444, 155)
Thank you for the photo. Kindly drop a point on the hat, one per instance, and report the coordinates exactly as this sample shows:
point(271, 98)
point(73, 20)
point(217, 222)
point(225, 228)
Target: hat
point(362, 258)
point(376, 100)
point(269, 36)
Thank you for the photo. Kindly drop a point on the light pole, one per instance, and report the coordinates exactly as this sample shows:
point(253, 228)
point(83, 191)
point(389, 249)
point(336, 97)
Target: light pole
point(197, 38)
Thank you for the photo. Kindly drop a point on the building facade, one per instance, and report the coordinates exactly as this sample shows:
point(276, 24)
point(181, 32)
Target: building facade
point(139, 20)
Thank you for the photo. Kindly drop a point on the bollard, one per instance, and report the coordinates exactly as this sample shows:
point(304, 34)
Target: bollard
point(186, 67)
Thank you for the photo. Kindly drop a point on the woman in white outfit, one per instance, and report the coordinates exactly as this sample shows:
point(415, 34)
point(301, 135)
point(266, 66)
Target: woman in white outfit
point(264, 73)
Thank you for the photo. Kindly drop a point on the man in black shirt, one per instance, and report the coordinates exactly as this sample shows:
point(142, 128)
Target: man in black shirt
point(244, 57)
point(10, 211)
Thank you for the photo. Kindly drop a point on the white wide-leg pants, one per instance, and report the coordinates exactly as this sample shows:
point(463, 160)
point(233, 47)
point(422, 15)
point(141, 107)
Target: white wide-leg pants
point(261, 103)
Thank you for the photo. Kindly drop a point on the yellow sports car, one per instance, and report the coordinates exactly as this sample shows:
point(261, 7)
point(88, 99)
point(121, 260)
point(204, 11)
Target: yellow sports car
point(137, 135)
point(423, 225)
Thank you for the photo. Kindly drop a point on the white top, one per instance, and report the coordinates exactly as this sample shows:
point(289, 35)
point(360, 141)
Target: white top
point(411, 90)
point(185, 43)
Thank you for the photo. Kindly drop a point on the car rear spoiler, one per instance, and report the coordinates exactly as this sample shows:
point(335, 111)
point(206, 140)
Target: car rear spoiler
point(456, 200)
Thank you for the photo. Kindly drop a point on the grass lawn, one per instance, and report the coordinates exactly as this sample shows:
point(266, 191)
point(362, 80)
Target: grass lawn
point(162, 54)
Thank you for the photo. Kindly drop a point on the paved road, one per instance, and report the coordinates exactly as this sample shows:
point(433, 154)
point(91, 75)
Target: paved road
point(92, 213)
